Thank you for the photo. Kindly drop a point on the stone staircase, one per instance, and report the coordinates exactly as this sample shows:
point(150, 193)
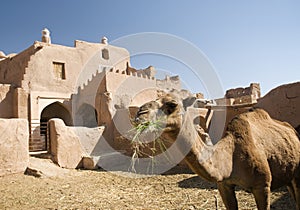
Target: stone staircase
point(25, 83)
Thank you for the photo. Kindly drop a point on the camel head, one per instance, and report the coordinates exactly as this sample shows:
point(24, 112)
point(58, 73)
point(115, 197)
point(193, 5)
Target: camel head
point(166, 111)
point(166, 116)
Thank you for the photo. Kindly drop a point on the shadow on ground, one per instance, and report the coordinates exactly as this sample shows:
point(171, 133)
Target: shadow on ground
point(196, 182)
point(280, 198)
point(285, 201)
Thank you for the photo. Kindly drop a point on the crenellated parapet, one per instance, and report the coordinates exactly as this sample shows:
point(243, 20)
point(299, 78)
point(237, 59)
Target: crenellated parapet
point(138, 73)
point(241, 95)
point(169, 83)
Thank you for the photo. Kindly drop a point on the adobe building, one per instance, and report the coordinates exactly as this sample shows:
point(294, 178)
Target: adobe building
point(283, 103)
point(91, 84)
point(240, 95)
point(83, 85)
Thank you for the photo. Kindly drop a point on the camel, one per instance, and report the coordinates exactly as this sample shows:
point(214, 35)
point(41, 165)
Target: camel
point(257, 153)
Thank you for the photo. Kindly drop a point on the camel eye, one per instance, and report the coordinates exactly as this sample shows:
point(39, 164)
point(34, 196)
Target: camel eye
point(143, 112)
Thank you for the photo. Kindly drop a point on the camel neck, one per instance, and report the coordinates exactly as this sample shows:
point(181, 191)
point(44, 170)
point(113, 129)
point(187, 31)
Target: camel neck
point(204, 160)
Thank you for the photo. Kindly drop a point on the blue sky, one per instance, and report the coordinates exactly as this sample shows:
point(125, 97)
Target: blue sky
point(246, 41)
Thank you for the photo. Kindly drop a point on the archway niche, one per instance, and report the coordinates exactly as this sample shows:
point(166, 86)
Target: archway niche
point(86, 116)
point(54, 110)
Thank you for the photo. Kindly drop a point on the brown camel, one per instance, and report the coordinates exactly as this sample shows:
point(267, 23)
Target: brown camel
point(257, 153)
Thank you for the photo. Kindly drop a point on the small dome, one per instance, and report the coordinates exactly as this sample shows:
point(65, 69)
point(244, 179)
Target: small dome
point(104, 40)
point(2, 55)
point(46, 36)
point(45, 31)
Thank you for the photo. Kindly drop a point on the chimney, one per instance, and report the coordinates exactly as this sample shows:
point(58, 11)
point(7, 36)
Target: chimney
point(46, 36)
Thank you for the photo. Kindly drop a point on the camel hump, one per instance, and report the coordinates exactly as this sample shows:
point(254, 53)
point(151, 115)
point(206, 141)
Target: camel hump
point(240, 125)
point(253, 115)
point(257, 114)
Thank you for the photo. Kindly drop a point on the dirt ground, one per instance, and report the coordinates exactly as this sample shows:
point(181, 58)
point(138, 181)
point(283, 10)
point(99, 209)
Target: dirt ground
point(85, 189)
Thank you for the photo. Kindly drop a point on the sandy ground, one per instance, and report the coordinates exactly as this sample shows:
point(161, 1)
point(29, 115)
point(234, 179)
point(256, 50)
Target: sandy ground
point(84, 189)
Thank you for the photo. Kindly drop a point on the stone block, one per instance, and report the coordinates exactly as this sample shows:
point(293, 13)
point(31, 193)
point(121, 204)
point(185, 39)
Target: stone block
point(14, 150)
point(44, 168)
point(89, 137)
point(90, 162)
point(65, 145)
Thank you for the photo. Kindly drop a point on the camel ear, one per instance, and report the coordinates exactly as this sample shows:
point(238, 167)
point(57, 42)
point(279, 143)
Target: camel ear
point(170, 107)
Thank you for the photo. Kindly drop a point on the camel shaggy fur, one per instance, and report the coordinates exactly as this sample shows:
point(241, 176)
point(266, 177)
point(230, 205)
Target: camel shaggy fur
point(257, 153)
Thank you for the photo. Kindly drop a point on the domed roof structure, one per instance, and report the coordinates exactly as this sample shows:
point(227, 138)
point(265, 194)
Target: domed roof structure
point(2, 55)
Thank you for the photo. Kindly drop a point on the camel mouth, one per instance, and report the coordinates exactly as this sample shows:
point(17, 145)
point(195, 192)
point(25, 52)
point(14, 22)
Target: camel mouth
point(148, 127)
point(146, 130)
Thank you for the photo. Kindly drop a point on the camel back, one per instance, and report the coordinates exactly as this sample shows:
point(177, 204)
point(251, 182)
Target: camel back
point(256, 128)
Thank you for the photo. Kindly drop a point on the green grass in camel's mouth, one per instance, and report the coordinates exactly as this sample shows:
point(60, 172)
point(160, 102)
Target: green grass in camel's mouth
point(144, 149)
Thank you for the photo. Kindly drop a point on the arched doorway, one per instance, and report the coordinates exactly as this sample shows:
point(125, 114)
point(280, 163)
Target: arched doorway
point(54, 110)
